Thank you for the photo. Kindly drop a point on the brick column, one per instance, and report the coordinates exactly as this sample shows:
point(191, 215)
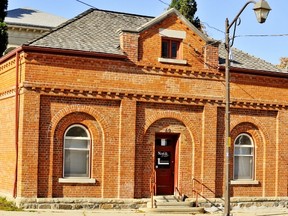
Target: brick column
point(281, 151)
point(127, 138)
point(28, 144)
point(209, 144)
point(211, 56)
point(129, 44)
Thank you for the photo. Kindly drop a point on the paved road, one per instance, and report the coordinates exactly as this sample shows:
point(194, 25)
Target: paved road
point(253, 211)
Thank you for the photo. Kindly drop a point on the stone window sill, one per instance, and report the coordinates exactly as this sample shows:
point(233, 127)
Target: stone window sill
point(77, 180)
point(244, 182)
point(172, 61)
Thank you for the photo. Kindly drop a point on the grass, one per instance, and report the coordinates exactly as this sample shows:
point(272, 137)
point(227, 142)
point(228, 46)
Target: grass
point(8, 206)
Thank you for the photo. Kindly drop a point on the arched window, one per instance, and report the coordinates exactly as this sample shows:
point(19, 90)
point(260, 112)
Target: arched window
point(243, 158)
point(77, 146)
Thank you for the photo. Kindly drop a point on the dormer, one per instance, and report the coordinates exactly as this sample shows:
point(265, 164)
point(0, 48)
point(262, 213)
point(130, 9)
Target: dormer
point(169, 40)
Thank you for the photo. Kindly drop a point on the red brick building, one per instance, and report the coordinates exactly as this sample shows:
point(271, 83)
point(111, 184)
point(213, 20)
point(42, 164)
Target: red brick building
point(95, 106)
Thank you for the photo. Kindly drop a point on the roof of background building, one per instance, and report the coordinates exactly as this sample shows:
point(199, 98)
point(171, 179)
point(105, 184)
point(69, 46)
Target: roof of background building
point(32, 17)
point(96, 31)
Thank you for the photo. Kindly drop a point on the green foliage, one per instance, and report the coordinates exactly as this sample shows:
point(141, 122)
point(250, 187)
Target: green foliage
point(8, 206)
point(3, 37)
point(3, 9)
point(188, 9)
point(3, 26)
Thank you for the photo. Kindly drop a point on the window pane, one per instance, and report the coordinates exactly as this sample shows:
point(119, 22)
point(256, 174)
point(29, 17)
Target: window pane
point(77, 132)
point(75, 143)
point(243, 151)
point(243, 167)
point(174, 49)
point(163, 142)
point(243, 140)
point(76, 163)
point(165, 49)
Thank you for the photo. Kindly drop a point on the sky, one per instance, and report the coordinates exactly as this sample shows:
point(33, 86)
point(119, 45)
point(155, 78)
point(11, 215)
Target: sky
point(268, 41)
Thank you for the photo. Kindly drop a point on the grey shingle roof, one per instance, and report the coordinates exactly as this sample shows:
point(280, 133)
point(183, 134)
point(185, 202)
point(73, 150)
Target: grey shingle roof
point(240, 59)
point(32, 17)
point(96, 31)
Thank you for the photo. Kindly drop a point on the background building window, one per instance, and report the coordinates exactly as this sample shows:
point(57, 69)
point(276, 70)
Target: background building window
point(243, 158)
point(76, 152)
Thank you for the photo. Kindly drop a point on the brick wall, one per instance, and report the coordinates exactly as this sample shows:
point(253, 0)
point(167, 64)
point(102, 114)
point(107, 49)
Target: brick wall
point(7, 145)
point(123, 103)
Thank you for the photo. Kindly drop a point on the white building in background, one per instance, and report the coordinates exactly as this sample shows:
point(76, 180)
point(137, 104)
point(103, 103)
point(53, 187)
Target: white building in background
point(25, 24)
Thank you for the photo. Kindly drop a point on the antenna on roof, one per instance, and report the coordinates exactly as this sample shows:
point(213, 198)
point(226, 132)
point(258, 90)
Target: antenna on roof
point(86, 4)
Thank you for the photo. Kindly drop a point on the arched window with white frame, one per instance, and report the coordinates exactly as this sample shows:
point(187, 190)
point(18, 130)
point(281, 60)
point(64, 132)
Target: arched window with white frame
point(77, 147)
point(244, 157)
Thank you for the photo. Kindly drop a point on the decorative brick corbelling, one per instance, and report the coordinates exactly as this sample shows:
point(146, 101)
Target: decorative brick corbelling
point(8, 93)
point(185, 73)
point(114, 94)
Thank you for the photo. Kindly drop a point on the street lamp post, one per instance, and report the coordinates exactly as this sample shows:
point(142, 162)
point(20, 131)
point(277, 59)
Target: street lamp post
point(261, 9)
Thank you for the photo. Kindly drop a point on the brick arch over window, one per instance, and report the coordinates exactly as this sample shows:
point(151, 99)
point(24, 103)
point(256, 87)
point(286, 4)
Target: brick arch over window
point(78, 108)
point(97, 141)
point(252, 121)
point(53, 136)
point(173, 115)
point(145, 153)
point(259, 142)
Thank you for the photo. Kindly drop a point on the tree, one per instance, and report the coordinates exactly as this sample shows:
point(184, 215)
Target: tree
point(283, 63)
point(187, 8)
point(3, 26)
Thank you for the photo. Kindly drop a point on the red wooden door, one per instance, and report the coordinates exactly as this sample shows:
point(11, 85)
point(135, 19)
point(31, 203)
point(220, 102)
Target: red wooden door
point(165, 163)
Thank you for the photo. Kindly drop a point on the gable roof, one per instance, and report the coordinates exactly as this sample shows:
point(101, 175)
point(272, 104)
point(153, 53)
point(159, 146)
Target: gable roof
point(98, 31)
point(33, 18)
point(180, 16)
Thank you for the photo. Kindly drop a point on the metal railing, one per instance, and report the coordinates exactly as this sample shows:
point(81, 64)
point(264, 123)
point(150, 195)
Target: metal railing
point(153, 184)
point(200, 192)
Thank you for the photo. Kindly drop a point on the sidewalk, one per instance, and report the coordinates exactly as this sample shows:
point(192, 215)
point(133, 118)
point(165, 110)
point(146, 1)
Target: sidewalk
point(253, 211)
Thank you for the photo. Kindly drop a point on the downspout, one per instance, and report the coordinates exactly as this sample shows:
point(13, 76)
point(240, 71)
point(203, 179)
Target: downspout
point(16, 123)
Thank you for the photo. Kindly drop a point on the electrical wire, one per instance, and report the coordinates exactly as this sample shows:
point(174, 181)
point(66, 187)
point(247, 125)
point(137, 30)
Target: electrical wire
point(264, 35)
point(87, 4)
point(163, 2)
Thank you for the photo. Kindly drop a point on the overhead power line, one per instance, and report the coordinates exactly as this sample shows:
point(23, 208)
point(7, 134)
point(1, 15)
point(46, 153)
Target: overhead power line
point(264, 35)
point(163, 2)
point(87, 4)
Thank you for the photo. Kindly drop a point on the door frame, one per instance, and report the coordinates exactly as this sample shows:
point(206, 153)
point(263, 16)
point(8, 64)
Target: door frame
point(175, 137)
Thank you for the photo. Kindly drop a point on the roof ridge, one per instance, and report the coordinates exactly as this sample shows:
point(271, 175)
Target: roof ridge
point(124, 13)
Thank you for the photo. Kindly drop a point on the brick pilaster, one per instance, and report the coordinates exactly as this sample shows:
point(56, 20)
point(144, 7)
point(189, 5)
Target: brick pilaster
point(127, 149)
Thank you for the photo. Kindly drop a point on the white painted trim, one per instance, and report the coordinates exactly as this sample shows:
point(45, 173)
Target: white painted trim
point(172, 61)
point(172, 33)
point(244, 182)
point(77, 180)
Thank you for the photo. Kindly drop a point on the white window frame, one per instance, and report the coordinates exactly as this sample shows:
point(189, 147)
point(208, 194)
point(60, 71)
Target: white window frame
point(81, 178)
point(251, 145)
